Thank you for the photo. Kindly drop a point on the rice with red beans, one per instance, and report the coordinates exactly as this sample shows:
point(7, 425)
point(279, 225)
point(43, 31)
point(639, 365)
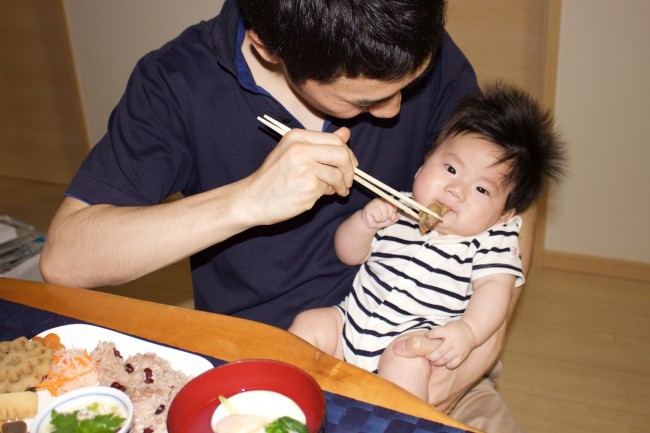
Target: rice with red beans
point(148, 379)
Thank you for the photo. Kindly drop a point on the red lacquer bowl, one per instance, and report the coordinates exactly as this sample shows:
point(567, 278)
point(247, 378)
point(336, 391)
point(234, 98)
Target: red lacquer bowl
point(192, 409)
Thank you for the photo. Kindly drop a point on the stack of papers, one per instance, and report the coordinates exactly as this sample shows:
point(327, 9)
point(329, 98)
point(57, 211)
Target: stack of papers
point(20, 245)
point(7, 233)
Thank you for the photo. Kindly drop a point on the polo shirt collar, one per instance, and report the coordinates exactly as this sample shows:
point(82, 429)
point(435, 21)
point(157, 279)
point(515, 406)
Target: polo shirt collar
point(244, 74)
point(228, 44)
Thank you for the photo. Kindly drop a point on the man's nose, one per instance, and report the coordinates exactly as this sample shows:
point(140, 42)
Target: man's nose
point(388, 108)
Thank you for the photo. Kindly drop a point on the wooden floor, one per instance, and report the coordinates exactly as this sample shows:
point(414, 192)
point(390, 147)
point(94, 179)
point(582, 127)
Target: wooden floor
point(577, 358)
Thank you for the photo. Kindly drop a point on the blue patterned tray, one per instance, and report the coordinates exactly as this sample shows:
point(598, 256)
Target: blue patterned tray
point(344, 415)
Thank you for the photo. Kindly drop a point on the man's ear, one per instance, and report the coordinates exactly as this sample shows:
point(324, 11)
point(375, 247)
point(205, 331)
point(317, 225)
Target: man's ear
point(261, 49)
point(505, 216)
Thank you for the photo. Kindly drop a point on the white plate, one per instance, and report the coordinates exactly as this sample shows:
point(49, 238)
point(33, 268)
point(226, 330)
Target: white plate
point(81, 336)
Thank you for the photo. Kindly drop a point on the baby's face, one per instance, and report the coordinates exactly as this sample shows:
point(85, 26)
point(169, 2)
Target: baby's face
point(461, 173)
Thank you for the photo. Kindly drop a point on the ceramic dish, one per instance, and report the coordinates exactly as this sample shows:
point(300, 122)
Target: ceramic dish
point(103, 398)
point(195, 404)
point(82, 336)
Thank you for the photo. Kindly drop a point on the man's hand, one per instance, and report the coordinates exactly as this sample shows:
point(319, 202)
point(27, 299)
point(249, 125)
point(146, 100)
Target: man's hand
point(446, 386)
point(415, 346)
point(102, 245)
point(304, 166)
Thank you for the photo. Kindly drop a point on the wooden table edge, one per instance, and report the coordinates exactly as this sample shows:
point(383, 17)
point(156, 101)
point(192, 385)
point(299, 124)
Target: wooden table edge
point(223, 337)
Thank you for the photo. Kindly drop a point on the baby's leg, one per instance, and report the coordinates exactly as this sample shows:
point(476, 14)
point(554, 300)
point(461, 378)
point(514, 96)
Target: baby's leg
point(411, 374)
point(321, 327)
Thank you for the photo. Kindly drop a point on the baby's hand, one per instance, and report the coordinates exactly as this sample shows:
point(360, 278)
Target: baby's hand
point(457, 342)
point(378, 214)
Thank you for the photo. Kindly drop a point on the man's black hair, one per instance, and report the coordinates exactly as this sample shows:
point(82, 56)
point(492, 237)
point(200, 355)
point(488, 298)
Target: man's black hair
point(323, 40)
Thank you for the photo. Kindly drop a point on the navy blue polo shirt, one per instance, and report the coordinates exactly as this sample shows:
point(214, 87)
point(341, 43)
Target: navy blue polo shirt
point(187, 123)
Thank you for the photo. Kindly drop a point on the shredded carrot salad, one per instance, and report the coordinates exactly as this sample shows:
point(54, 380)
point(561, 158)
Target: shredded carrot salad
point(71, 368)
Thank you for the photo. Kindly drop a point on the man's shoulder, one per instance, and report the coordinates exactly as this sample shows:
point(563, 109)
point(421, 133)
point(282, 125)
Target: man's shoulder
point(450, 58)
point(193, 38)
point(186, 63)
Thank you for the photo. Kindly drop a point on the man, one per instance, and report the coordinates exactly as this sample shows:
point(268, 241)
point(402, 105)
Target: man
point(377, 77)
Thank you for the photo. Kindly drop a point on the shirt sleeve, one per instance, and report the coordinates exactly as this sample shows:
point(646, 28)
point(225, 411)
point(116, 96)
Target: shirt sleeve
point(144, 157)
point(499, 252)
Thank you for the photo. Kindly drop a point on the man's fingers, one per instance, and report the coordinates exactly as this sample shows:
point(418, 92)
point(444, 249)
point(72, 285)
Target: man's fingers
point(344, 133)
point(327, 150)
point(454, 363)
point(417, 345)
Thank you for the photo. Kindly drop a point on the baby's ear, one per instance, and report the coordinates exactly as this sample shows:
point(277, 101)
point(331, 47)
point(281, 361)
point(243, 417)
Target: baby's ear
point(505, 216)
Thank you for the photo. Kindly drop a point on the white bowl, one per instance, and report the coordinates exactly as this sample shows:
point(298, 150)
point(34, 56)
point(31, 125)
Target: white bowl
point(195, 404)
point(82, 398)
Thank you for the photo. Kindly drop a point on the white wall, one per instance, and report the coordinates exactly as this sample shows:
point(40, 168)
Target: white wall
point(108, 38)
point(603, 107)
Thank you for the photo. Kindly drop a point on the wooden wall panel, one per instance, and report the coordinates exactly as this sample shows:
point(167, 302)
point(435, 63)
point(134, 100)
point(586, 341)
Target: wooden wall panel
point(503, 39)
point(516, 41)
point(42, 133)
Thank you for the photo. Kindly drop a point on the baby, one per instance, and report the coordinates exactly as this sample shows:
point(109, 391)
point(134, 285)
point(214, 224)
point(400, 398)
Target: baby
point(453, 283)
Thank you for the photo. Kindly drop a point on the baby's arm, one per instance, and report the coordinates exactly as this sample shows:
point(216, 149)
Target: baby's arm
point(485, 313)
point(353, 237)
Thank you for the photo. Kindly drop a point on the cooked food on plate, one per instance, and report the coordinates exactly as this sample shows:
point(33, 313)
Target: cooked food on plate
point(23, 364)
point(45, 364)
point(14, 427)
point(258, 411)
point(146, 378)
point(95, 418)
point(71, 368)
point(18, 405)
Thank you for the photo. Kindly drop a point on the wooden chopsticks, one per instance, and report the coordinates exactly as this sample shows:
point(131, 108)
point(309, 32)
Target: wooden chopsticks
point(406, 204)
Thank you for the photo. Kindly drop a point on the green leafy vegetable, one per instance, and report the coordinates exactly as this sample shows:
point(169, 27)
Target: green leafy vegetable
point(70, 423)
point(286, 424)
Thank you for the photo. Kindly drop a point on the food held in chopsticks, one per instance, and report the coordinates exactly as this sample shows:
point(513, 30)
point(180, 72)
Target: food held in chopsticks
point(427, 221)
